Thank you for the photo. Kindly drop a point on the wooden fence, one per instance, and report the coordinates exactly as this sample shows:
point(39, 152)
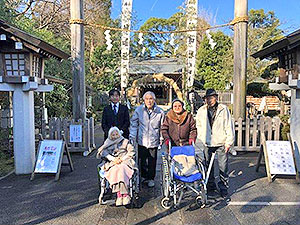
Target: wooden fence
point(6, 118)
point(248, 132)
point(58, 128)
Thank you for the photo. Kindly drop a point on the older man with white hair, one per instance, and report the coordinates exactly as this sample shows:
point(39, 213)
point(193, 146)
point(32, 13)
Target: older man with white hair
point(144, 129)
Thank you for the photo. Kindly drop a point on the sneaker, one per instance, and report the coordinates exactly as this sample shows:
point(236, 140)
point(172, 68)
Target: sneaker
point(126, 200)
point(151, 183)
point(119, 201)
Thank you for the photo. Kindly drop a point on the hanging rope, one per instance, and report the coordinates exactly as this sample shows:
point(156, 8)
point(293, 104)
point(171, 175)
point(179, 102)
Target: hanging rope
point(80, 21)
point(239, 19)
point(233, 22)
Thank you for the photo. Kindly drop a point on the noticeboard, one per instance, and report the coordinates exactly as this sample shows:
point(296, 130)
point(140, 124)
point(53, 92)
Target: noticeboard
point(48, 157)
point(75, 133)
point(280, 156)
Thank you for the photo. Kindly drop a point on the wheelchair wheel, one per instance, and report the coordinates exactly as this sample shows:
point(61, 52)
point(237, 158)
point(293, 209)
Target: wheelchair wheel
point(166, 203)
point(200, 202)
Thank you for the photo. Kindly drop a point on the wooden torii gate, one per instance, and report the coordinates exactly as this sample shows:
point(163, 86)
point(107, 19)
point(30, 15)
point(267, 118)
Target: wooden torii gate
point(240, 52)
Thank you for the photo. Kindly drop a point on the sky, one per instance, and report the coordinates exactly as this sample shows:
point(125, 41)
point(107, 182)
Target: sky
point(221, 11)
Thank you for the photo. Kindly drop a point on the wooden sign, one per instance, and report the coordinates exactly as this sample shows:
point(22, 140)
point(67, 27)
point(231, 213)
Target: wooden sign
point(49, 158)
point(279, 158)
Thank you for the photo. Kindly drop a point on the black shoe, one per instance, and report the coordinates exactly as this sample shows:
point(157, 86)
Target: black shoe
point(212, 188)
point(224, 193)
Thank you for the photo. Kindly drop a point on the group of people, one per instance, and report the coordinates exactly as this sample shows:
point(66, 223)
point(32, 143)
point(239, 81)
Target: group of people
point(149, 128)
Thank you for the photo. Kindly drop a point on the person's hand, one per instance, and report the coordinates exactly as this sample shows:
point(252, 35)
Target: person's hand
point(227, 148)
point(117, 161)
point(191, 141)
point(131, 140)
point(167, 142)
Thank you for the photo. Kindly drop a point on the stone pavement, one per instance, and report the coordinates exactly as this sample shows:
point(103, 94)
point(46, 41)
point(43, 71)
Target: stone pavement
point(73, 199)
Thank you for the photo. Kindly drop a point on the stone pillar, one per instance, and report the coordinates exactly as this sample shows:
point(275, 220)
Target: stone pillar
point(23, 131)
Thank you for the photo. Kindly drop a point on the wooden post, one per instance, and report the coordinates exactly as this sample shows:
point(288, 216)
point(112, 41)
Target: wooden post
point(240, 58)
point(77, 53)
point(170, 94)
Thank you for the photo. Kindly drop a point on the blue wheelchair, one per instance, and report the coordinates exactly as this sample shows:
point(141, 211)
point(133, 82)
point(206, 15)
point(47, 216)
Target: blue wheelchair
point(175, 185)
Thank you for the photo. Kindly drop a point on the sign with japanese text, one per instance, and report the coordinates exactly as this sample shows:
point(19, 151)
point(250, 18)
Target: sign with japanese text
point(125, 41)
point(75, 133)
point(280, 156)
point(192, 21)
point(49, 155)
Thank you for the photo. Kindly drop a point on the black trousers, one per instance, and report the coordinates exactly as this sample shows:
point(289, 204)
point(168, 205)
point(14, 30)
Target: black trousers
point(147, 158)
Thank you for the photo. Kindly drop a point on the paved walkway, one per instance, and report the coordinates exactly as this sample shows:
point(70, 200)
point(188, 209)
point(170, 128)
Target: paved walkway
point(73, 199)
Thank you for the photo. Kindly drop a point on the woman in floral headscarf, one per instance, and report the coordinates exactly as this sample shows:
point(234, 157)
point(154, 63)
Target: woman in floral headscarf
point(117, 156)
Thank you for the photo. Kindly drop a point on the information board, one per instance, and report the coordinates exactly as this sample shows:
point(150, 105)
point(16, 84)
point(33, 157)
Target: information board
point(280, 157)
point(48, 159)
point(76, 133)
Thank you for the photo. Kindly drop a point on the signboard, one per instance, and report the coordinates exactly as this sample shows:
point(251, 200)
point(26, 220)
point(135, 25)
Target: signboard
point(75, 133)
point(49, 154)
point(280, 156)
point(49, 158)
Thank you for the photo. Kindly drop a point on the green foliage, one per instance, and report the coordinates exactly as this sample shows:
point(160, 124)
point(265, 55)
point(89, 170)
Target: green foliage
point(263, 30)
point(102, 70)
point(158, 44)
point(58, 102)
point(211, 63)
point(285, 129)
point(105, 75)
point(259, 90)
point(6, 160)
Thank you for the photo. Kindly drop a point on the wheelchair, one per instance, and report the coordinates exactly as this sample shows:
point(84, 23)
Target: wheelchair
point(175, 186)
point(134, 184)
point(104, 187)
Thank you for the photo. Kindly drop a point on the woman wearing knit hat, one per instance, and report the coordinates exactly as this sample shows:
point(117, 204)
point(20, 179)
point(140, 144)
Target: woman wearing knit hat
point(179, 126)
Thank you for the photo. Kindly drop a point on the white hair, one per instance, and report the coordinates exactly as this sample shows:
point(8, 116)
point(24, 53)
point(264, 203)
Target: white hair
point(112, 129)
point(149, 93)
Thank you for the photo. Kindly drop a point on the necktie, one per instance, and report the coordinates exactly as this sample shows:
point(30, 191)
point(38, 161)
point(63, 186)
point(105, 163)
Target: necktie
point(115, 110)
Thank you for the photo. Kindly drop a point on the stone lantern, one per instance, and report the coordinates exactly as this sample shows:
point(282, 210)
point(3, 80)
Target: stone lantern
point(22, 58)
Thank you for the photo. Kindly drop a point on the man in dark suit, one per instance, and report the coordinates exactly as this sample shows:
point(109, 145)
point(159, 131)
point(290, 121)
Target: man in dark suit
point(115, 114)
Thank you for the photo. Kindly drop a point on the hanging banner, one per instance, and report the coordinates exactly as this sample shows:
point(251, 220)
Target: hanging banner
point(125, 41)
point(192, 20)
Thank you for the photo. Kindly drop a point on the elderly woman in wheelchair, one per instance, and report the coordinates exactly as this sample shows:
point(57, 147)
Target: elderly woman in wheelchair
point(117, 166)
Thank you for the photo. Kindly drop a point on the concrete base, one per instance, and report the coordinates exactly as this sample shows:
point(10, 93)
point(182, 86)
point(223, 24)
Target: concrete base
point(23, 131)
point(295, 123)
